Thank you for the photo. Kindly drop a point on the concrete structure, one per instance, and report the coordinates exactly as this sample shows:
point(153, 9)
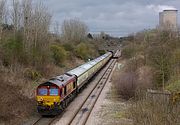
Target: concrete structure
point(168, 20)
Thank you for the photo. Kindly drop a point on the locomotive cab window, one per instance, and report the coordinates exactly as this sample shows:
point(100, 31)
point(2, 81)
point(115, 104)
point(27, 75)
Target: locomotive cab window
point(42, 91)
point(53, 91)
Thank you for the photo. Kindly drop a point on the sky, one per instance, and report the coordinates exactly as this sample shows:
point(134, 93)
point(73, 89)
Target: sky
point(115, 17)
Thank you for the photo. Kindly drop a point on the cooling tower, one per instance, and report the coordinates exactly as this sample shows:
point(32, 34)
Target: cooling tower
point(168, 20)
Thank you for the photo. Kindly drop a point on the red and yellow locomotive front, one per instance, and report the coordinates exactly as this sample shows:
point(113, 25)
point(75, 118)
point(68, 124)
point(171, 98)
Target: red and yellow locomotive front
point(51, 96)
point(48, 99)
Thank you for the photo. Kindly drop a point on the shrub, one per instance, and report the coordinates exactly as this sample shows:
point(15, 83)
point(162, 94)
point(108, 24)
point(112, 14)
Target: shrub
point(101, 52)
point(128, 52)
point(59, 54)
point(125, 84)
point(74, 31)
point(174, 87)
point(130, 79)
point(145, 77)
point(32, 74)
point(68, 47)
point(151, 111)
point(83, 51)
point(12, 50)
point(159, 59)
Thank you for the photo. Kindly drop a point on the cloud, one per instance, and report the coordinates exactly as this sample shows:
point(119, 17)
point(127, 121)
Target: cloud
point(160, 8)
point(117, 17)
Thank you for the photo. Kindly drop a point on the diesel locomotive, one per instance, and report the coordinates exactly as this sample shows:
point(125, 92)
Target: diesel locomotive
point(54, 95)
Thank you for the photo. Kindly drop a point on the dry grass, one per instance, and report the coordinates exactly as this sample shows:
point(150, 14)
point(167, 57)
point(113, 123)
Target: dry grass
point(14, 105)
point(145, 110)
point(148, 111)
point(17, 90)
point(17, 95)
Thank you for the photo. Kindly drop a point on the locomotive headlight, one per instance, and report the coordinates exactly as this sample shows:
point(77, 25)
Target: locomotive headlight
point(41, 99)
point(40, 102)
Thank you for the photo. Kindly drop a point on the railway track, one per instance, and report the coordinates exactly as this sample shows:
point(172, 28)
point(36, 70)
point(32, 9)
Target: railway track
point(81, 115)
point(44, 121)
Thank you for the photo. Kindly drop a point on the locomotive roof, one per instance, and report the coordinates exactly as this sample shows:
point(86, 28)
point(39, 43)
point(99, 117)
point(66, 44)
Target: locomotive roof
point(83, 68)
point(59, 80)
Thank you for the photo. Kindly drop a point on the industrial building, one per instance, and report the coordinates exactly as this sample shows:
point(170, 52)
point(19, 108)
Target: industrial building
point(168, 20)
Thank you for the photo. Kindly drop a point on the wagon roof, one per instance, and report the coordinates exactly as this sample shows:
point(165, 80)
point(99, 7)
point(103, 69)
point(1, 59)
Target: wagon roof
point(83, 68)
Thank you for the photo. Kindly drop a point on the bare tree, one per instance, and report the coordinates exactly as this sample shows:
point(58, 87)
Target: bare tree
point(16, 14)
point(36, 22)
point(74, 30)
point(159, 56)
point(41, 24)
point(56, 28)
point(27, 22)
point(2, 15)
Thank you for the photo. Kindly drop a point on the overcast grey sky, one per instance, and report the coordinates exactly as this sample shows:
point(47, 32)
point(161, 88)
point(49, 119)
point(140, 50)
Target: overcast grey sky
point(116, 17)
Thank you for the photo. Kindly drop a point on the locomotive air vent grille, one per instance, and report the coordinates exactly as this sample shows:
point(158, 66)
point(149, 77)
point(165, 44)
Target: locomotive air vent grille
point(61, 79)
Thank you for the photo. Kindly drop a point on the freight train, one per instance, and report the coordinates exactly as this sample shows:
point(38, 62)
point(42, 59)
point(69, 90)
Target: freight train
point(54, 95)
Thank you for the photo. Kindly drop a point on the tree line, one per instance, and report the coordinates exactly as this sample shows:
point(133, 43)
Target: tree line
point(25, 37)
point(160, 51)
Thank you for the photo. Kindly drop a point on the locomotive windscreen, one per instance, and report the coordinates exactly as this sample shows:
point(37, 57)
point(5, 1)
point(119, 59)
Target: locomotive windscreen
point(53, 91)
point(42, 91)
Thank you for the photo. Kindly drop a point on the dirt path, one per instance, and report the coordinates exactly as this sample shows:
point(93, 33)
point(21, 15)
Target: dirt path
point(109, 109)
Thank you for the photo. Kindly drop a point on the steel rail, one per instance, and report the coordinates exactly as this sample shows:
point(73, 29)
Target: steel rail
point(89, 108)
